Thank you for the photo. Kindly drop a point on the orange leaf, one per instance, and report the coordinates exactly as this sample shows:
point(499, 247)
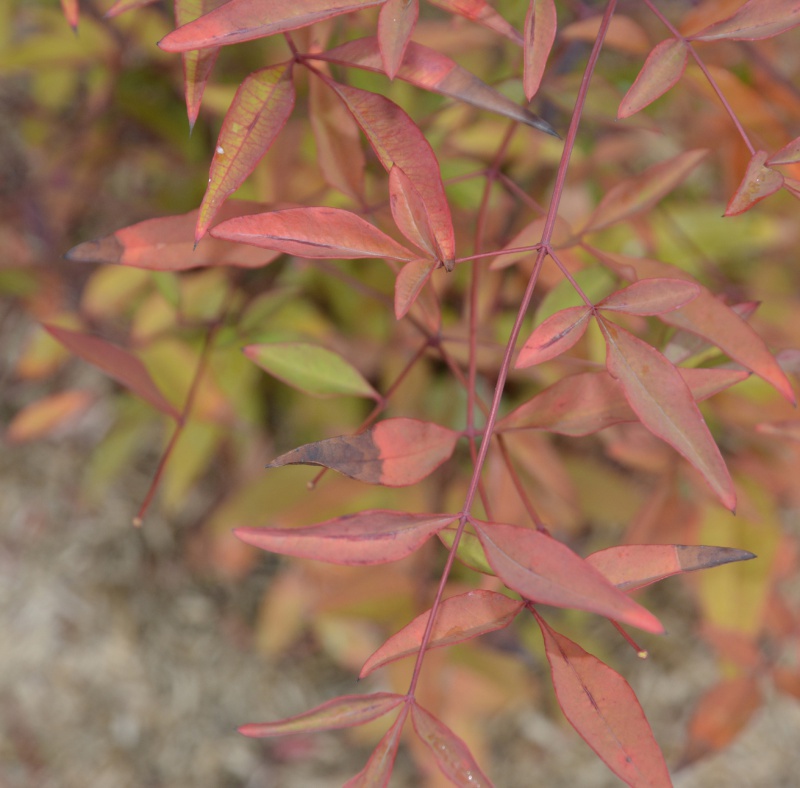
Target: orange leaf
point(42, 418)
point(755, 20)
point(459, 618)
point(662, 69)
point(554, 336)
point(71, 12)
point(664, 404)
point(651, 297)
point(544, 570)
point(540, 33)
point(409, 283)
point(604, 710)
point(394, 453)
point(258, 112)
point(408, 211)
point(346, 711)
point(376, 536)
point(759, 182)
point(396, 23)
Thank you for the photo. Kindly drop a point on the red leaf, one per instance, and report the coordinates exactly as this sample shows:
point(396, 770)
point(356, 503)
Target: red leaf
point(540, 33)
point(452, 756)
point(410, 281)
point(431, 70)
point(379, 767)
point(313, 233)
point(759, 182)
point(554, 336)
point(395, 25)
point(167, 244)
point(245, 20)
point(662, 69)
point(396, 140)
point(544, 570)
point(71, 12)
point(126, 5)
point(755, 20)
point(408, 211)
point(119, 364)
point(481, 12)
point(664, 404)
point(604, 710)
point(788, 154)
point(651, 297)
point(372, 537)
point(394, 453)
point(459, 618)
point(641, 192)
point(257, 114)
point(634, 566)
point(346, 711)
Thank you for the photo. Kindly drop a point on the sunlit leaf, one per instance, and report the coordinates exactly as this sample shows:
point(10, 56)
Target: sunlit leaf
point(662, 69)
point(554, 336)
point(759, 182)
point(258, 112)
point(540, 33)
point(394, 453)
point(395, 25)
point(651, 297)
point(376, 536)
point(604, 710)
point(311, 368)
point(634, 566)
point(458, 618)
point(544, 570)
point(755, 20)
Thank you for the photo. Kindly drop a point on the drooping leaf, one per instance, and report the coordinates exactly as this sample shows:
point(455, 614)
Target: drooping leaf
point(452, 756)
point(590, 401)
point(126, 5)
point(379, 767)
point(346, 711)
point(661, 71)
point(604, 710)
point(633, 566)
point(167, 244)
point(396, 23)
point(311, 368)
point(245, 20)
point(409, 283)
point(664, 404)
point(788, 154)
point(394, 453)
point(258, 112)
point(119, 364)
point(554, 336)
point(408, 211)
point(376, 536)
point(433, 71)
point(759, 182)
point(459, 618)
point(481, 12)
point(315, 233)
point(48, 415)
point(651, 297)
point(540, 33)
point(641, 192)
point(755, 20)
point(397, 140)
point(544, 570)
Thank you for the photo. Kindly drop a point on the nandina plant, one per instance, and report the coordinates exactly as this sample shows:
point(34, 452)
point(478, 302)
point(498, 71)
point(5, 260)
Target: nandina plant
point(474, 401)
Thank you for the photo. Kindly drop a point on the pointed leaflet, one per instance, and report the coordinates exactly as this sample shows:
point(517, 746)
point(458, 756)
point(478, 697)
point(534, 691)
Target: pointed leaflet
point(119, 364)
point(245, 20)
point(544, 570)
point(257, 114)
point(408, 212)
point(662, 401)
point(315, 233)
point(311, 368)
point(379, 767)
point(651, 297)
point(590, 401)
point(788, 154)
point(481, 12)
point(409, 283)
point(759, 182)
point(71, 12)
point(634, 566)
point(431, 70)
point(604, 710)
point(346, 711)
point(641, 192)
point(662, 69)
point(459, 618)
point(394, 453)
point(167, 244)
point(540, 33)
point(395, 26)
point(126, 5)
point(755, 20)
point(376, 536)
point(452, 756)
point(554, 336)
point(397, 140)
